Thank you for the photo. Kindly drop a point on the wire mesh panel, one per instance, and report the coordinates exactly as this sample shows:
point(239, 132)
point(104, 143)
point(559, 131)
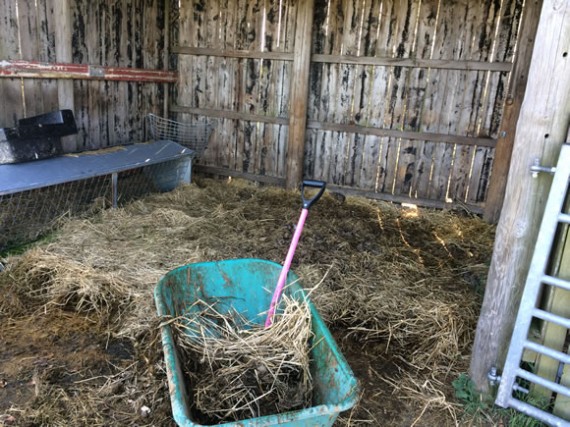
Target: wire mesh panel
point(192, 135)
point(35, 196)
point(29, 215)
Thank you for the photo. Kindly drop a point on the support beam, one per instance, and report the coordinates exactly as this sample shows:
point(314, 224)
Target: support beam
point(517, 86)
point(63, 54)
point(541, 130)
point(299, 93)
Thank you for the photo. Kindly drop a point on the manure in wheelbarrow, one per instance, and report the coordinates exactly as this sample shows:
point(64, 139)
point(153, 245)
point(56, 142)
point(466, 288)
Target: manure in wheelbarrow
point(241, 370)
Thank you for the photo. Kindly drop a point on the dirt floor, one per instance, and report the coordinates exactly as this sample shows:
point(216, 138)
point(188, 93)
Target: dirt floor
point(399, 288)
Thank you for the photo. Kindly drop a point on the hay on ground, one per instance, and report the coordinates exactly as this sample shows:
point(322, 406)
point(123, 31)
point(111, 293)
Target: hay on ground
point(408, 281)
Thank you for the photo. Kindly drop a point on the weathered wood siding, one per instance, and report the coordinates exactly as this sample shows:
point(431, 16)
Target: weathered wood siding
point(406, 96)
point(125, 33)
point(256, 87)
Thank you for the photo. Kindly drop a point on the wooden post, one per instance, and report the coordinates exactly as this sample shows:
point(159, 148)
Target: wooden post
point(63, 53)
point(540, 132)
point(166, 56)
point(514, 99)
point(299, 93)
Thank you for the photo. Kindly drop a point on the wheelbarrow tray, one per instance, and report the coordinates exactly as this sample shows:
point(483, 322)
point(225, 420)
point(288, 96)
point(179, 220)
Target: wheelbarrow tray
point(246, 285)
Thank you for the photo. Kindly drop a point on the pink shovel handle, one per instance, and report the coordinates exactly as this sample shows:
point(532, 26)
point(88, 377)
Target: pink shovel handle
point(286, 267)
point(307, 203)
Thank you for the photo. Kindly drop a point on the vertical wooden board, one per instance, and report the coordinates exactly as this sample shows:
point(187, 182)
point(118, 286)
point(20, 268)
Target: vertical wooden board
point(479, 183)
point(212, 40)
point(269, 151)
point(370, 150)
point(330, 20)
point(282, 138)
point(440, 101)
point(46, 22)
point(29, 50)
point(375, 100)
point(423, 48)
point(187, 37)
point(320, 26)
point(477, 97)
point(309, 166)
point(79, 15)
point(227, 90)
point(11, 108)
point(386, 170)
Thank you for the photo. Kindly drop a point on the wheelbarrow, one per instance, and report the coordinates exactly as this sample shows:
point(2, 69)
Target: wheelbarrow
point(241, 285)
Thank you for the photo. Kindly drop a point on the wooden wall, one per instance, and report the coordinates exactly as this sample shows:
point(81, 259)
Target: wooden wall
point(405, 99)
point(121, 33)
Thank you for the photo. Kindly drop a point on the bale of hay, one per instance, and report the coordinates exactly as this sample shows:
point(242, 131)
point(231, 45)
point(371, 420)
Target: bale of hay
point(241, 371)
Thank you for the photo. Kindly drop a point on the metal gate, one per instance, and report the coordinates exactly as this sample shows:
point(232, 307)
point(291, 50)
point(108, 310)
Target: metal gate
point(519, 378)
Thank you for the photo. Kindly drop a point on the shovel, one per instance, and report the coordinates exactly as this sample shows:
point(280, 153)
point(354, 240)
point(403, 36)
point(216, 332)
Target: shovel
point(307, 203)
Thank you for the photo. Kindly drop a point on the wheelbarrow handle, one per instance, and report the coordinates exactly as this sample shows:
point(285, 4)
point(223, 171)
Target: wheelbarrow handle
point(307, 203)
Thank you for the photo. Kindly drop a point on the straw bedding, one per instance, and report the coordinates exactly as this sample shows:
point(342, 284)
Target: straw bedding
point(240, 371)
point(401, 283)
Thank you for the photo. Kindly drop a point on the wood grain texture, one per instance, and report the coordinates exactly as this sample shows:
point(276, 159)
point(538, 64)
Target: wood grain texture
point(541, 129)
point(299, 94)
point(514, 98)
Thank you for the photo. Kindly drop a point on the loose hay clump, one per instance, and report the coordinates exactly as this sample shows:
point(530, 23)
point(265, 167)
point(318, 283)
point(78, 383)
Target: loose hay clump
point(239, 370)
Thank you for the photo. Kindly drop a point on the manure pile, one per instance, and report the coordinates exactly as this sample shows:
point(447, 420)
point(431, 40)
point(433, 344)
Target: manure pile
point(400, 284)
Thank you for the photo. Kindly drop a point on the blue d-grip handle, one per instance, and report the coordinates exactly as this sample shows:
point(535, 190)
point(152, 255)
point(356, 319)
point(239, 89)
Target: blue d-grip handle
point(307, 203)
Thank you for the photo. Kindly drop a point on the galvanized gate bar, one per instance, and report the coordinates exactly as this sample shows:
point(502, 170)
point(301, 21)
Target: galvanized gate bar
point(554, 281)
point(550, 317)
point(547, 351)
point(528, 309)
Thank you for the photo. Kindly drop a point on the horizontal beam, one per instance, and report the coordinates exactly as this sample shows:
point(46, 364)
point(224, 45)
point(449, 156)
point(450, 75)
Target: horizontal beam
point(230, 114)
point(340, 127)
point(426, 203)
point(45, 70)
point(415, 63)
point(394, 133)
point(444, 64)
point(280, 182)
point(273, 180)
point(225, 53)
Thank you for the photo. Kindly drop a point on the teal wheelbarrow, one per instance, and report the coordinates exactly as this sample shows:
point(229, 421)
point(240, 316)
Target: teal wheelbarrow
point(246, 286)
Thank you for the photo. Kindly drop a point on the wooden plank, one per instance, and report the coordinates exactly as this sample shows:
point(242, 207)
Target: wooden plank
point(432, 136)
point(367, 147)
point(80, 55)
point(299, 94)
point(342, 105)
point(345, 128)
point(474, 167)
point(508, 27)
point(352, 59)
point(424, 48)
point(514, 99)
point(225, 144)
point(545, 110)
point(62, 10)
point(10, 91)
point(414, 63)
point(412, 44)
point(471, 91)
point(213, 170)
point(229, 53)
point(441, 98)
point(29, 50)
point(322, 108)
